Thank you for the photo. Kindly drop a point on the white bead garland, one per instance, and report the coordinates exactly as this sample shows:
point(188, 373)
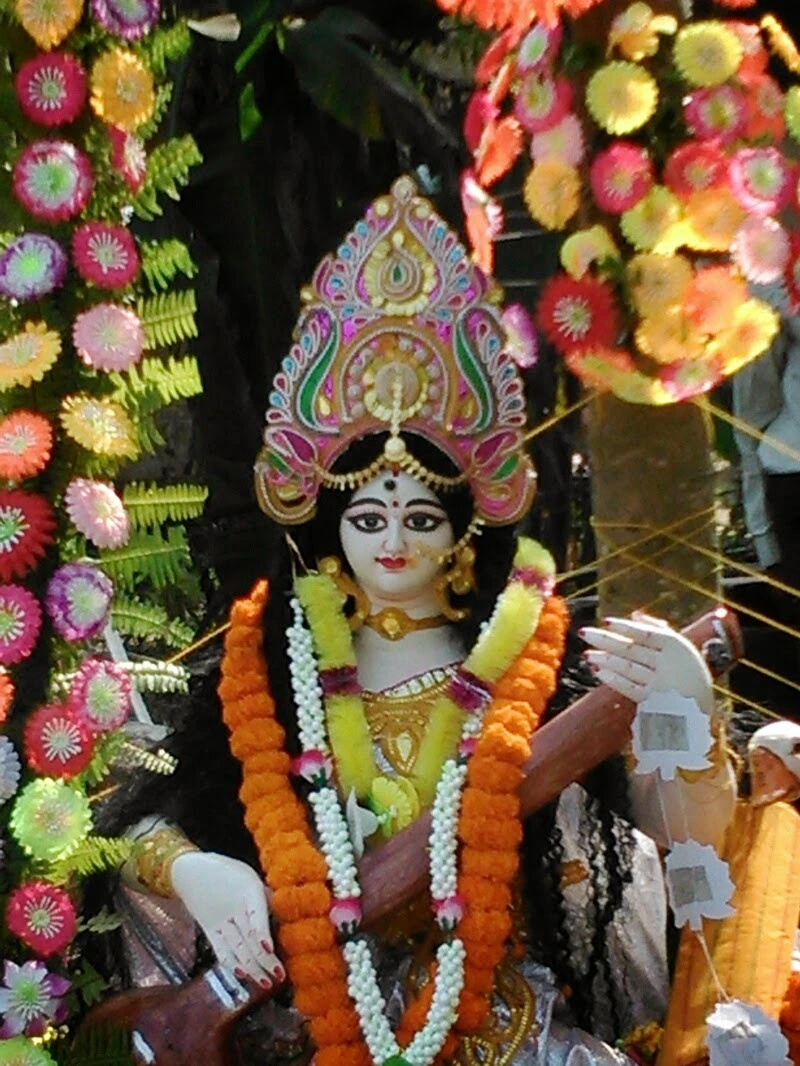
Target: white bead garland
point(444, 825)
point(306, 687)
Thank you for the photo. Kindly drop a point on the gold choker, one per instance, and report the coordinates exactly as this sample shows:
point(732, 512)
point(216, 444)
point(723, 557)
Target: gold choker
point(394, 624)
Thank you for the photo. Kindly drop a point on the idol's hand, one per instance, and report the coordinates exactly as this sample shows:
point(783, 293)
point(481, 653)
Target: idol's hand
point(228, 900)
point(641, 655)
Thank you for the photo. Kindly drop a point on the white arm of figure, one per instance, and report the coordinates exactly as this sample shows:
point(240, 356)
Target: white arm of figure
point(643, 655)
point(227, 899)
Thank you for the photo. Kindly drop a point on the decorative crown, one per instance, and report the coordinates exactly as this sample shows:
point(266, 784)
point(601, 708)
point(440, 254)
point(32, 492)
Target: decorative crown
point(399, 332)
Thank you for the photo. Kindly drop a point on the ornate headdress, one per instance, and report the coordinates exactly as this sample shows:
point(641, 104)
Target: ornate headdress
point(399, 332)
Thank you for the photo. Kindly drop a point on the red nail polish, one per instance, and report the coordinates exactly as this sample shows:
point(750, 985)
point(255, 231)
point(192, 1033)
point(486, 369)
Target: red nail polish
point(265, 983)
point(239, 972)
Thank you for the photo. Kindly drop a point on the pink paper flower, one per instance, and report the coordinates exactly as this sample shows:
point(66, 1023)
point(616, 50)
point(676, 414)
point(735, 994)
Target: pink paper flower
point(78, 601)
point(108, 337)
point(100, 695)
point(761, 249)
point(129, 19)
point(42, 916)
point(481, 110)
point(346, 915)
point(30, 999)
point(761, 179)
point(620, 176)
point(314, 767)
point(720, 112)
point(105, 254)
point(542, 101)
point(53, 180)
point(57, 743)
point(695, 166)
point(693, 378)
point(96, 510)
point(51, 88)
point(521, 341)
point(564, 141)
point(449, 912)
point(539, 46)
point(129, 157)
point(466, 748)
point(20, 623)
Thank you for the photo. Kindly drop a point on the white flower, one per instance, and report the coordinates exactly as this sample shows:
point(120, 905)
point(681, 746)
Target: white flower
point(10, 768)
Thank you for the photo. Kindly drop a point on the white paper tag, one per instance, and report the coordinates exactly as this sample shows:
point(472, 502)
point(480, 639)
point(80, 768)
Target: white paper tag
point(741, 1034)
point(699, 884)
point(670, 733)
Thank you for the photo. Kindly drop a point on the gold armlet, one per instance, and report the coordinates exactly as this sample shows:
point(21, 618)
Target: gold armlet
point(154, 855)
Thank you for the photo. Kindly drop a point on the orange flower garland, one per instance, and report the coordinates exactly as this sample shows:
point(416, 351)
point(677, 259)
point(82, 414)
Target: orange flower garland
point(296, 871)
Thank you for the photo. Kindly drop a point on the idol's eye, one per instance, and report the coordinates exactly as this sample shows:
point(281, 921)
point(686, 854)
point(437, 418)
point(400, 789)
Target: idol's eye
point(367, 521)
point(423, 521)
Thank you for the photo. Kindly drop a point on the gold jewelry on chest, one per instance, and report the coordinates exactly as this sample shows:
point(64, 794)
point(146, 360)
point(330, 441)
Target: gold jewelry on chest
point(399, 717)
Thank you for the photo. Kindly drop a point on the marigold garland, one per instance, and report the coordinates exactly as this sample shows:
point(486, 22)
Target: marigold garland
point(296, 871)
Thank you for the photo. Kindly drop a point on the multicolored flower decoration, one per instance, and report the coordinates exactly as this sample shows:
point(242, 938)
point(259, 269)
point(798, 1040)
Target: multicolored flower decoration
point(42, 916)
point(96, 510)
point(31, 998)
point(51, 88)
point(105, 255)
point(674, 186)
point(20, 623)
point(50, 819)
point(28, 355)
point(129, 19)
point(26, 441)
point(53, 180)
point(27, 525)
point(57, 743)
point(78, 601)
point(32, 266)
point(10, 769)
point(109, 337)
point(122, 90)
point(100, 695)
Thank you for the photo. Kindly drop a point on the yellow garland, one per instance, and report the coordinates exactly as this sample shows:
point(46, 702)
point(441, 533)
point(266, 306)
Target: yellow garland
point(351, 742)
point(439, 743)
point(322, 603)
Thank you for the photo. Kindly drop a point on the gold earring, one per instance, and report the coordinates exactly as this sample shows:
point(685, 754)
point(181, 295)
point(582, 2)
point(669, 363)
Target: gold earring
point(461, 579)
point(332, 566)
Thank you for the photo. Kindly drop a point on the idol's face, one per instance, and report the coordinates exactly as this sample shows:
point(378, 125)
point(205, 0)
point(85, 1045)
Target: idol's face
point(770, 779)
point(395, 535)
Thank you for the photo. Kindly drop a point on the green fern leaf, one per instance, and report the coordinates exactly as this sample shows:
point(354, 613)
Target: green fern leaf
point(168, 318)
point(98, 1045)
point(104, 921)
point(163, 260)
point(164, 45)
point(149, 556)
point(149, 622)
point(150, 676)
point(155, 762)
point(151, 505)
point(93, 856)
point(168, 168)
point(175, 378)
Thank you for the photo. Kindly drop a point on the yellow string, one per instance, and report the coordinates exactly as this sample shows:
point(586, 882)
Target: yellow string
point(746, 427)
point(769, 673)
point(554, 419)
point(737, 697)
point(199, 643)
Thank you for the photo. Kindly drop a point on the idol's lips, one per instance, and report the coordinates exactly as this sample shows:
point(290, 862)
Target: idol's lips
point(392, 562)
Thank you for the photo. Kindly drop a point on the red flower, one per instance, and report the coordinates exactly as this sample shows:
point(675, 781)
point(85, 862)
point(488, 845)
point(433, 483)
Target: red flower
point(577, 314)
point(480, 112)
point(26, 438)
point(764, 106)
point(129, 157)
point(695, 166)
point(620, 176)
point(499, 150)
point(492, 59)
point(42, 916)
point(51, 88)
point(56, 743)
point(105, 254)
point(27, 526)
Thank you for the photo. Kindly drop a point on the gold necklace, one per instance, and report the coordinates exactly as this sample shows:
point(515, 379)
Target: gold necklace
point(397, 723)
point(393, 624)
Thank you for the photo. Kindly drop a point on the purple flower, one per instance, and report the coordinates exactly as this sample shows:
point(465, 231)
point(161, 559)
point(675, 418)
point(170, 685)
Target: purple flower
point(78, 600)
point(30, 998)
point(32, 266)
point(130, 19)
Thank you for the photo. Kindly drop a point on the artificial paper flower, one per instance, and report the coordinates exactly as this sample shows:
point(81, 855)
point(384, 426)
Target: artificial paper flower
point(20, 623)
point(713, 297)
point(669, 337)
point(583, 249)
point(761, 249)
point(620, 176)
point(51, 88)
point(500, 147)
point(32, 266)
point(19, 1051)
point(761, 180)
point(42, 916)
point(791, 111)
point(108, 337)
point(96, 510)
point(50, 819)
point(27, 356)
point(49, 21)
point(10, 769)
point(552, 193)
point(564, 141)
point(30, 998)
point(481, 110)
point(483, 219)
point(712, 217)
point(694, 166)
point(707, 53)
point(635, 31)
point(720, 112)
point(122, 90)
point(78, 601)
point(754, 327)
point(53, 180)
point(27, 526)
point(99, 424)
point(493, 58)
point(542, 101)
point(648, 223)
point(657, 282)
point(539, 45)
point(57, 742)
point(621, 97)
point(683, 381)
point(129, 157)
point(6, 698)
point(613, 370)
point(577, 314)
point(521, 342)
point(765, 99)
point(26, 440)
point(129, 19)
point(105, 254)
point(755, 57)
point(100, 695)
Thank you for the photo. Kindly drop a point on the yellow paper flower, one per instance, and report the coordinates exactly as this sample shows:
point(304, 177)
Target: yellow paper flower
point(621, 97)
point(396, 800)
point(100, 425)
point(712, 219)
point(49, 21)
point(657, 282)
point(649, 224)
point(552, 193)
point(753, 329)
point(636, 31)
point(670, 337)
point(122, 90)
point(707, 53)
point(586, 247)
point(27, 356)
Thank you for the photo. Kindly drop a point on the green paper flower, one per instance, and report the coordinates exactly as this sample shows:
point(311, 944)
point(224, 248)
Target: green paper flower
point(50, 819)
point(19, 1051)
point(791, 111)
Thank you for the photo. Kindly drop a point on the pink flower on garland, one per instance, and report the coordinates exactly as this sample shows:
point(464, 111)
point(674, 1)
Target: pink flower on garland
point(96, 510)
point(105, 254)
point(539, 46)
point(108, 337)
point(57, 742)
point(78, 601)
point(27, 526)
point(577, 314)
point(313, 766)
point(449, 912)
point(30, 999)
point(100, 695)
point(42, 916)
point(51, 88)
point(20, 623)
point(693, 378)
point(53, 180)
point(620, 176)
point(695, 166)
point(521, 341)
point(564, 141)
point(129, 157)
point(346, 915)
point(761, 179)
point(129, 19)
point(542, 101)
point(720, 112)
point(761, 249)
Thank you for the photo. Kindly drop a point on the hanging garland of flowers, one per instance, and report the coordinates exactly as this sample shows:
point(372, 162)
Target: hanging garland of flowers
point(89, 318)
point(668, 169)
